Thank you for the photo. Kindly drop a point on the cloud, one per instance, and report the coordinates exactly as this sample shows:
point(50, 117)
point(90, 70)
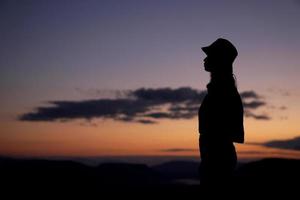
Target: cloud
point(249, 94)
point(168, 95)
point(88, 109)
point(145, 121)
point(254, 104)
point(257, 116)
point(253, 101)
point(144, 105)
point(292, 144)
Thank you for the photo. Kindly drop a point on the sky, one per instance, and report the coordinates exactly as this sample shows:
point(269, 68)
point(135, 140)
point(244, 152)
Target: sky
point(76, 75)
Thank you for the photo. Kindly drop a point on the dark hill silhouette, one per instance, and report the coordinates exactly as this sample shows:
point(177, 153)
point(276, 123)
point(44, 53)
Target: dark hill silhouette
point(275, 172)
point(178, 169)
point(128, 174)
point(69, 173)
point(120, 178)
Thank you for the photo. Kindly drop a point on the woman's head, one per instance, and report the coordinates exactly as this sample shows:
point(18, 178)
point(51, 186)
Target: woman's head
point(216, 64)
point(220, 56)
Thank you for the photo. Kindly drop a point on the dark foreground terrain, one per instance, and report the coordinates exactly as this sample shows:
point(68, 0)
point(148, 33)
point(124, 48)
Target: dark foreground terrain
point(171, 179)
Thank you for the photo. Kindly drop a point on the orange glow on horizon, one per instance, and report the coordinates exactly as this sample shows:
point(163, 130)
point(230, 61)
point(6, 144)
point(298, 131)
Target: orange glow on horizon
point(111, 138)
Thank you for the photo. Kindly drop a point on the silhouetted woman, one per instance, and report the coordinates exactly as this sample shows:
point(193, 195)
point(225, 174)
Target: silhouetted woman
point(220, 116)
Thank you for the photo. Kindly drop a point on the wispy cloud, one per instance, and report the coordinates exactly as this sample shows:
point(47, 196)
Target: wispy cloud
point(143, 105)
point(257, 116)
point(292, 144)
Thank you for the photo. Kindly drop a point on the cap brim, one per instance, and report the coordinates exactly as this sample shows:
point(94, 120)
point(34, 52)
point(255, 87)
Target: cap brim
point(205, 50)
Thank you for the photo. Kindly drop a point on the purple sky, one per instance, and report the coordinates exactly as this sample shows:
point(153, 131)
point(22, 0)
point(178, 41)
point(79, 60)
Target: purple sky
point(59, 50)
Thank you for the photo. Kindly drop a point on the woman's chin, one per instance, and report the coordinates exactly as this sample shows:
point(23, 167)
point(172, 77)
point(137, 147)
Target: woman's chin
point(206, 69)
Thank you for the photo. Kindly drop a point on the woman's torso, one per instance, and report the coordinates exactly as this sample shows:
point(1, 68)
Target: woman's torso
point(221, 114)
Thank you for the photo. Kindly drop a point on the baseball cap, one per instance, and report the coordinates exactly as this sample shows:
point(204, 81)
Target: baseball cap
point(221, 48)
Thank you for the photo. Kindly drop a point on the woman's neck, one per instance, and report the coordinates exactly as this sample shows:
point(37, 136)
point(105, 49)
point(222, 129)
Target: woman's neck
point(222, 79)
point(220, 76)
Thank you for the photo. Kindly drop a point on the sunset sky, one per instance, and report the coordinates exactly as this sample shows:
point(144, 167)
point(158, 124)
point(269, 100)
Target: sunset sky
point(73, 73)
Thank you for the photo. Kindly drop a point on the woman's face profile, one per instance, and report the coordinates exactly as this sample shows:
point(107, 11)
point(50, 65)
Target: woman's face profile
point(212, 62)
point(208, 64)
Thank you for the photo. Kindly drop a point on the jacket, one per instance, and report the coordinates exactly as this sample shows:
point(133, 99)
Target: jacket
point(221, 113)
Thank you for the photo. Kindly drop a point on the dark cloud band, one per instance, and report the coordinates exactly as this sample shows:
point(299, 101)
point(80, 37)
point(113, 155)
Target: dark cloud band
point(291, 144)
point(142, 105)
